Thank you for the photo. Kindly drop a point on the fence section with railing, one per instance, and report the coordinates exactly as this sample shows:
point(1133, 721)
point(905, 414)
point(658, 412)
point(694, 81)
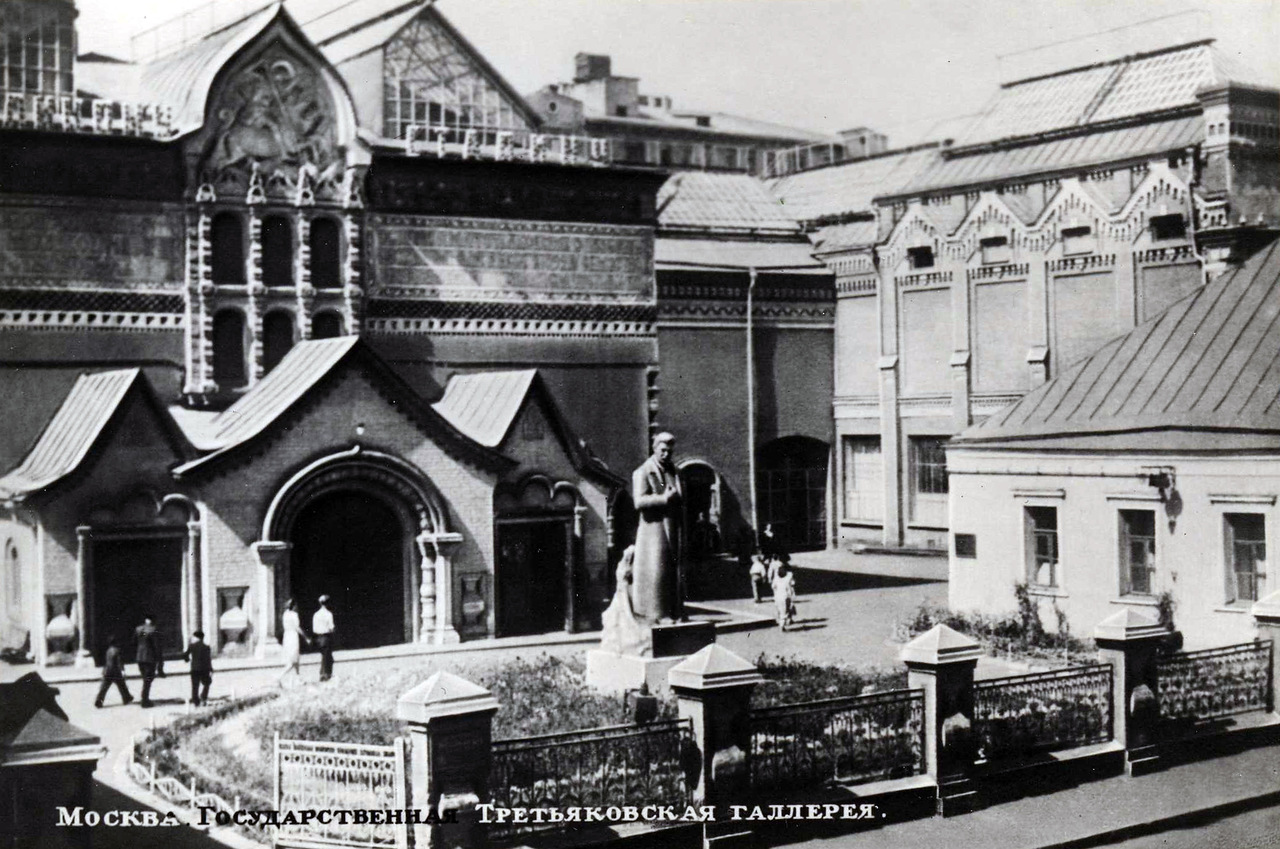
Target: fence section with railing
point(852, 739)
point(1043, 711)
point(615, 766)
point(1215, 683)
point(313, 775)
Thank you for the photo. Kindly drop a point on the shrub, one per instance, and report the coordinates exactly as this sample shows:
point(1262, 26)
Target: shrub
point(789, 680)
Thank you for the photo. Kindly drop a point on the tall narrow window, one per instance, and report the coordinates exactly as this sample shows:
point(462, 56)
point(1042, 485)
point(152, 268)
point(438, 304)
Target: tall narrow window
point(277, 338)
point(1246, 539)
point(863, 479)
point(229, 368)
point(326, 325)
point(1042, 546)
point(277, 251)
point(1137, 551)
point(326, 254)
point(227, 237)
point(929, 462)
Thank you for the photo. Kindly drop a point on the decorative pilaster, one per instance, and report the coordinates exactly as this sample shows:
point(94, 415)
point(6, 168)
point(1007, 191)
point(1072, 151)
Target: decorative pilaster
point(941, 662)
point(84, 555)
point(257, 292)
point(960, 408)
point(891, 450)
point(306, 293)
point(273, 560)
point(1129, 641)
point(195, 608)
point(199, 289)
point(435, 589)
point(352, 283)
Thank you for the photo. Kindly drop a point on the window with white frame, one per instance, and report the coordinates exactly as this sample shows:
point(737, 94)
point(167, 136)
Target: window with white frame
point(1245, 536)
point(929, 464)
point(1137, 551)
point(1042, 545)
point(863, 484)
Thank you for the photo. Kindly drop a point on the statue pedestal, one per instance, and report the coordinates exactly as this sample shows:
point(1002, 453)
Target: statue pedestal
point(615, 672)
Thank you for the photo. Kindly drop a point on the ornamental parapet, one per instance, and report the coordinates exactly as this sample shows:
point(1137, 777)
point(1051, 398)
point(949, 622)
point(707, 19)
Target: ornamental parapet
point(91, 115)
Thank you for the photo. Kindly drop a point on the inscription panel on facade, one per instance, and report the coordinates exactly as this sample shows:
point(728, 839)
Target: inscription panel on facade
point(488, 259)
point(72, 246)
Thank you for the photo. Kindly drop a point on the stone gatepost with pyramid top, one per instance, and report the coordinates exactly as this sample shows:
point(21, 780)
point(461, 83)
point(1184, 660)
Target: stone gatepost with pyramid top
point(941, 662)
point(1130, 642)
point(450, 724)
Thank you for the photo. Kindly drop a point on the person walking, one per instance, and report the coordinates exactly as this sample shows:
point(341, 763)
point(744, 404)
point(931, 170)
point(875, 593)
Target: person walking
point(759, 577)
point(113, 673)
point(784, 595)
point(322, 628)
point(292, 637)
point(199, 655)
point(149, 657)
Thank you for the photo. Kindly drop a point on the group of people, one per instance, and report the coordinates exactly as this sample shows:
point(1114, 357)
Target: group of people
point(150, 656)
point(773, 570)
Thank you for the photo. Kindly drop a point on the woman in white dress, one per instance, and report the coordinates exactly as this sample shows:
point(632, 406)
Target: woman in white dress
point(292, 638)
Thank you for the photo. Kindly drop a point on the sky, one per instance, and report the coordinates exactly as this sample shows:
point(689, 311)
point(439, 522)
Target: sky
point(898, 66)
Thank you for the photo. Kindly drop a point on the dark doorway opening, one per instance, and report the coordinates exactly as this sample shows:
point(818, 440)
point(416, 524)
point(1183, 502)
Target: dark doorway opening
point(791, 484)
point(701, 515)
point(131, 578)
point(351, 546)
point(530, 584)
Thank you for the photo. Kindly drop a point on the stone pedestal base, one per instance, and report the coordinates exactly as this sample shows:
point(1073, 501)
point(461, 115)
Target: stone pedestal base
point(616, 673)
point(681, 638)
point(445, 636)
point(84, 660)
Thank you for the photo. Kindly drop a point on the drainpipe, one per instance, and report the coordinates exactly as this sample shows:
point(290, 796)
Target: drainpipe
point(751, 404)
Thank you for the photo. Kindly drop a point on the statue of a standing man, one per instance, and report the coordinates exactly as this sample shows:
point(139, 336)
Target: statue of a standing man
point(655, 489)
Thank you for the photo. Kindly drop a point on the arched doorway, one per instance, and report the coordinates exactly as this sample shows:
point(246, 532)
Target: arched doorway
point(539, 585)
point(701, 487)
point(791, 485)
point(353, 546)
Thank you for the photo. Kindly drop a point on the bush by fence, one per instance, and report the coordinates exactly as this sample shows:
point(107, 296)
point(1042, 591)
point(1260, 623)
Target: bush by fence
point(1043, 711)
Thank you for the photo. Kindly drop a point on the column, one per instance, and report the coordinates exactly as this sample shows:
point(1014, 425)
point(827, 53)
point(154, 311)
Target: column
point(450, 724)
point(941, 662)
point(713, 689)
point(305, 292)
point(84, 563)
point(257, 293)
point(443, 629)
point(1129, 640)
point(426, 589)
point(273, 559)
point(891, 451)
point(1038, 323)
point(195, 608)
point(573, 562)
point(1266, 615)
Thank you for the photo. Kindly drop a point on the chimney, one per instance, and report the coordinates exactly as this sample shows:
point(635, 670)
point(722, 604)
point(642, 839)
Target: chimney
point(589, 66)
point(861, 142)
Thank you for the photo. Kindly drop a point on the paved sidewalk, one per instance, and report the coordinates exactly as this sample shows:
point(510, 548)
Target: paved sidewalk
point(1097, 813)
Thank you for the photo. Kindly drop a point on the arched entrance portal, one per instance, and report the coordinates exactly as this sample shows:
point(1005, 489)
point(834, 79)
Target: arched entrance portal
point(791, 484)
point(701, 487)
point(369, 530)
point(352, 545)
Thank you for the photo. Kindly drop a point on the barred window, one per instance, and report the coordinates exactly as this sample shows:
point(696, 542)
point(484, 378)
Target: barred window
point(929, 464)
point(37, 49)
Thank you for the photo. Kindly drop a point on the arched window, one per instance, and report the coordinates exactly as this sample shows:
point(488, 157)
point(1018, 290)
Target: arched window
point(277, 338)
point(228, 349)
point(326, 325)
point(326, 254)
point(277, 251)
point(227, 236)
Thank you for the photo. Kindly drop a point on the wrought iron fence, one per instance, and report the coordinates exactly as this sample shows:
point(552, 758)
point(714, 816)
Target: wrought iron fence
point(339, 776)
point(614, 766)
point(856, 738)
point(1043, 711)
point(1215, 682)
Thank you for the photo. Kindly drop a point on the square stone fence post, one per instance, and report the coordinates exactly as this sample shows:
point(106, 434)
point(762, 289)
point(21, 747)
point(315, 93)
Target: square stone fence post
point(1266, 615)
point(941, 661)
point(713, 689)
point(450, 724)
point(1130, 642)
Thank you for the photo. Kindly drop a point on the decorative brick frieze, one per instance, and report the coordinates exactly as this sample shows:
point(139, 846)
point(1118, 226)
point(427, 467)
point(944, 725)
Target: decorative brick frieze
point(1176, 253)
point(79, 321)
point(1005, 271)
point(90, 300)
point(857, 285)
point(928, 278)
point(1085, 262)
point(510, 327)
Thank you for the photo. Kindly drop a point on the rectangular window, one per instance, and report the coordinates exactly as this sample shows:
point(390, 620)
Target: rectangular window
point(1246, 550)
point(929, 464)
point(1078, 240)
point(1137, 551)
point(1172, 226)
point(1042, 546)
point(920, 257)
point(995, 249)
point(863, 484)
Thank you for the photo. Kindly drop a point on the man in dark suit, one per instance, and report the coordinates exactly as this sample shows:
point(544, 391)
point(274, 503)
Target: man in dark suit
point(200, 657)
point(113, 673)
point(149, 657)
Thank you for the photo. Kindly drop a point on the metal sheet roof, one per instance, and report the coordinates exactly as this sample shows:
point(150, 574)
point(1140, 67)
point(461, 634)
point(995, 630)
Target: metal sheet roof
point(850, 186)
point(843, 237)
point(728, 254)
point(71, 433)
point(1209, 362)
point(721, 201)
point(1074, 152)
point(483, 406)
point(348, 45)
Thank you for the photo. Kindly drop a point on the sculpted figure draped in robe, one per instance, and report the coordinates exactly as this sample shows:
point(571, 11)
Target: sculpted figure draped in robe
point(655, 489)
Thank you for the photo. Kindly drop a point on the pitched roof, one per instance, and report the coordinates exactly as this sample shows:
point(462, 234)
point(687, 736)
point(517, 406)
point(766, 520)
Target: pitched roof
point(73, 431)
point(308, 364)
point(1132, 85)
point(31, 720)
point(1210, 362)
point(734, 254)
point(483, 407)
point(704, 200)
point(850, 186)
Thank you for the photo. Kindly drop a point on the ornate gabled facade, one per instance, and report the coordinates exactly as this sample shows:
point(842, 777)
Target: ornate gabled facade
point(971, 271)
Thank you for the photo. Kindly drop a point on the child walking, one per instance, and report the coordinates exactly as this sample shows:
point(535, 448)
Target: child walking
point(784, 595)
